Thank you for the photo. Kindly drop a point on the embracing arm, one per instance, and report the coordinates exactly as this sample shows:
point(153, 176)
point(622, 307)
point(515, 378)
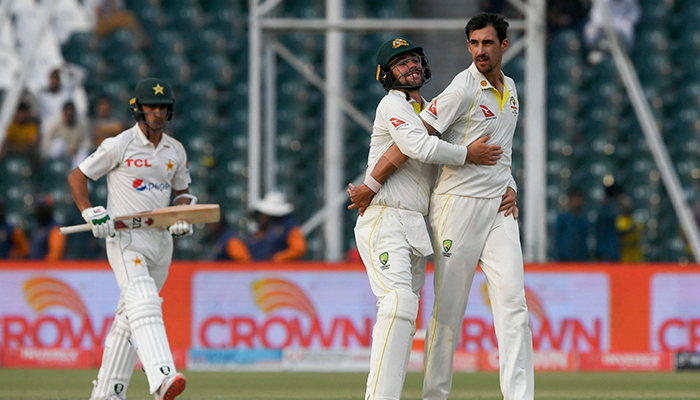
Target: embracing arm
point(361, 195)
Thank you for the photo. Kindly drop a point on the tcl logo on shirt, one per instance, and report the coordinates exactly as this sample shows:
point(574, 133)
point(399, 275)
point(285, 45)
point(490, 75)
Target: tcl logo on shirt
point(397, 122)
point(137, 163)
point(140, 185)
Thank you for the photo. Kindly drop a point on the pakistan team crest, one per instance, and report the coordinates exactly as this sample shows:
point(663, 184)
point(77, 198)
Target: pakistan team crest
point(446, 246)
point(384, 259)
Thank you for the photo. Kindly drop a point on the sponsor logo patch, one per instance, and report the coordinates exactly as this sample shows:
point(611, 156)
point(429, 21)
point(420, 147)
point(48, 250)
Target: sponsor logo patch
point(165, 370)
point(140, 185)
point(118, 388)
point(397, 122)
point(432, 109)
point(487, 113)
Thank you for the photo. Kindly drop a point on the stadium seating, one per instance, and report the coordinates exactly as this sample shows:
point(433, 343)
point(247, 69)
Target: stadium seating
point(201, 46)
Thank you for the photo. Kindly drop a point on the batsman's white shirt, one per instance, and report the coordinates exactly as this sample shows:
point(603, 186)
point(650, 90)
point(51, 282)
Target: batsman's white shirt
point(465, 111)
point(409, 187)
point(140, 176)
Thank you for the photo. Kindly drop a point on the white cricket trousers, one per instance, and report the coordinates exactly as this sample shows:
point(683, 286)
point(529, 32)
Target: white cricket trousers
point(393, 244)
point(469, 232)
point(140, 261)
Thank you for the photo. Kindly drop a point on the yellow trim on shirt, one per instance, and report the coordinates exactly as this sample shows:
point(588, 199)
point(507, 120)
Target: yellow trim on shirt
point(501, 98)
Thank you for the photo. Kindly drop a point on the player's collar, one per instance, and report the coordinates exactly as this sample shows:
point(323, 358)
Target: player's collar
point(396, 92)
point(140, 136)
point(481, 78)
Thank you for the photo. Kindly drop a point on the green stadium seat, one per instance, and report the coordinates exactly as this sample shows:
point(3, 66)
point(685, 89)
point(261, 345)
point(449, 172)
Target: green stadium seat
point(215, 67)
point(176, 68)
point(53, 173)
point(187, 18)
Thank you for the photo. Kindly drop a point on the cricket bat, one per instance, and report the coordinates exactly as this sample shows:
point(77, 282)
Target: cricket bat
point(162, 217)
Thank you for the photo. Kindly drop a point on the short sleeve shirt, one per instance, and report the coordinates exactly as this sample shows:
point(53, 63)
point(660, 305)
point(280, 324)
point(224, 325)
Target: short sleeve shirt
point(466, 110)
point(140, 177)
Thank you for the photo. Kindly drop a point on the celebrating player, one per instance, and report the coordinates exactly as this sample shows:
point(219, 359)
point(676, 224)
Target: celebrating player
point(469, 229)
point(391, 234)
point(143, 166)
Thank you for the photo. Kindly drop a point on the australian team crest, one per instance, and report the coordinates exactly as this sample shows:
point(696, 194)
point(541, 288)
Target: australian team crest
point(446, 246)
point(398, 43)
point(514, 106)
point(384, 259)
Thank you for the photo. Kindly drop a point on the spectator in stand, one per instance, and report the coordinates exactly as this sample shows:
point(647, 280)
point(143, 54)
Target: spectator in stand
point(68, 137)
point(276, 237)
point(607, 247)
point(65, 83)
point(219, 238)
point(47, 242)
point(104, 123)
point(112, 15)
point(13, 241)
point(629, 231)
point(52, 99)
point(624, 13)
point(572, 228)
point(22, 135)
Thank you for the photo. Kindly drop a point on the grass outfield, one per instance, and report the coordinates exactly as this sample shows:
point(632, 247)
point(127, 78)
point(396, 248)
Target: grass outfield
point(75, 384)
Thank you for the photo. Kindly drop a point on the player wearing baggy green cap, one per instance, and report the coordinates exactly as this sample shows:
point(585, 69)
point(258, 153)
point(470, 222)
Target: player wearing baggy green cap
point(391, 234)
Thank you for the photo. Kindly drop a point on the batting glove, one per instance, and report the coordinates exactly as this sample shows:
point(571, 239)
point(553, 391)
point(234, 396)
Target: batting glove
point(102, 223)
point(180, 229)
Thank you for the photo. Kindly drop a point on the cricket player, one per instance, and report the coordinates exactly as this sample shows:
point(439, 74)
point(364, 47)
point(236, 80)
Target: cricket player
point(391, 234)
point(468, 228)
point(144, 166)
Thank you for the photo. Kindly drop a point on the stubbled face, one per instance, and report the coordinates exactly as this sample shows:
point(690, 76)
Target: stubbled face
point(155, 115)
point(407, 70)
point(486, 49)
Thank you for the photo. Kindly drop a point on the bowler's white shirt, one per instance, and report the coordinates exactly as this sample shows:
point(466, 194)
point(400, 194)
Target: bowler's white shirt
point(465, 111)
point(408, 188)
point(140, 177)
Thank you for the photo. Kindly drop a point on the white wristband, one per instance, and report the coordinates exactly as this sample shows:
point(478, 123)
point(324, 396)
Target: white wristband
point(372, 183)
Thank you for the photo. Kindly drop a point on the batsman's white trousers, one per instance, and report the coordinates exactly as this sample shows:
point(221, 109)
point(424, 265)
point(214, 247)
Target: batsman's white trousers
point(393, 244)
point(132, 254)
point(469, 232)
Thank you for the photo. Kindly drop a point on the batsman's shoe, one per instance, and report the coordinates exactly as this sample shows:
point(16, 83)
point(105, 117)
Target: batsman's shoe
point(172, 387)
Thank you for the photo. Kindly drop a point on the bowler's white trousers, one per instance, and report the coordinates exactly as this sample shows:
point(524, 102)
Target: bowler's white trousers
point(393, 244)
point(469, 232)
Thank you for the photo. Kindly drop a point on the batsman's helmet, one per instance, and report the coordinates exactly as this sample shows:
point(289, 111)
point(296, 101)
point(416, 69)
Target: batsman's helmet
point(388, 52)
point(151, 91)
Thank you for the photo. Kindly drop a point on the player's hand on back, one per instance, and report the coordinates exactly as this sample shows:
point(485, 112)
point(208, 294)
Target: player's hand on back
point(100, 220)
point(361, 196)
point(481, 153)
point(180, 229)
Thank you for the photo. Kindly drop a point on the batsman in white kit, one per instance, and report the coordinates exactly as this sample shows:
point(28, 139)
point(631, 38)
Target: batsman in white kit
point(391, 233)
point(144, 167)
point(468, 227)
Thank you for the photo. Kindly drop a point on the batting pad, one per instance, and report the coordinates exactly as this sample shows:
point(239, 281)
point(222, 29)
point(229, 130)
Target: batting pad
point(143, 308)
point(118, 361)
point(392, 338)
